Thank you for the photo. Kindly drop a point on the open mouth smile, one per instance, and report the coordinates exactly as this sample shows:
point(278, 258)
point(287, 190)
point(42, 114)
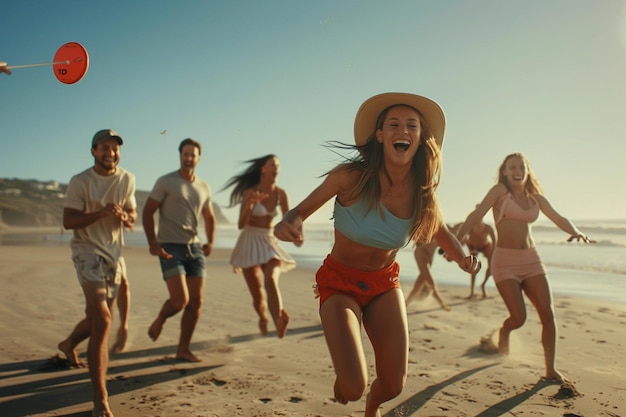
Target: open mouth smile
point(401, 145)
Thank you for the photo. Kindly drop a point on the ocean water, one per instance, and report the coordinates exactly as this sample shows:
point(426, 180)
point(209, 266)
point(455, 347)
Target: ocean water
point(591, 270)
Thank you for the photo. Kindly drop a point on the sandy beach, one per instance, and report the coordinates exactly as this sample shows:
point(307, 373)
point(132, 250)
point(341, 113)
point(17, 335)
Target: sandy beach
point(246, 374)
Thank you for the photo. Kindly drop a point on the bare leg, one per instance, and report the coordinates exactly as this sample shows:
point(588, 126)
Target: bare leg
point(68, 346)
point(438, 297)
point(271, 270)
point(482, 286)
point(253, 281)
point(78, 334)
point(179, 297)
point(511, 293)
point(386, 324)
point(472, 281)
point(99, 318)
point(487, 252)
point(424, 259)
point(341, 320)
point(123, 305)
point(417, 290)
point(538, 291)
point(190, 318)
point(429, 282)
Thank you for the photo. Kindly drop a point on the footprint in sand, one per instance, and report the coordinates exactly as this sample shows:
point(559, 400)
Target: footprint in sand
point(567, 390)
point(487, 345)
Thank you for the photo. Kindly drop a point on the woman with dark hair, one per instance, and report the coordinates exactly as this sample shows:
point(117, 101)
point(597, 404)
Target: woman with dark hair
point(517, 269)
point(384, 198)
point(257, 252)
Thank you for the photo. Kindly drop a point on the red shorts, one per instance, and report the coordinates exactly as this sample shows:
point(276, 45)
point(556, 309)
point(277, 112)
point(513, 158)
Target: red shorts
point(335, 278)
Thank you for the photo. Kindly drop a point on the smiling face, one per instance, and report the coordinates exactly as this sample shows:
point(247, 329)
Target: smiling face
point(106, 156)
point(189, 157)
point(270, 169)
point(514, 171)
point(400, 134)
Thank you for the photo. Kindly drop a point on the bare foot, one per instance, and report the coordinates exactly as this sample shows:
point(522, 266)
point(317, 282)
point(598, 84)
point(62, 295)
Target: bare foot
point(102, 411)
point(338, 397)
point(281, 324)
point(155, 329)
point(555, 376)
point(469, 297)
point(187, 356)
point(263, 326)
point(503, 342)
point(70, 354)
point(445, 307)
point(120, 341)
point(371, 410)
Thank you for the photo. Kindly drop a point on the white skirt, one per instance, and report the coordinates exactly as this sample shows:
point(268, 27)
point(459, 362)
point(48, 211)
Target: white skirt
point(258, 246)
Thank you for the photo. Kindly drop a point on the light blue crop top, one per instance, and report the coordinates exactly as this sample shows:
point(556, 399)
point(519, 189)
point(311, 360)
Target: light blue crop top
point(369, 228)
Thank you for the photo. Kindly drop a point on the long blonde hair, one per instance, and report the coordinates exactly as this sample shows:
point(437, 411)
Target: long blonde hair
point(532, 184)
point(425, 169)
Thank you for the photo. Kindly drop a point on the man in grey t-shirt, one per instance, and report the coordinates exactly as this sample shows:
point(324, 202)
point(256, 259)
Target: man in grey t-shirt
point(182, 199)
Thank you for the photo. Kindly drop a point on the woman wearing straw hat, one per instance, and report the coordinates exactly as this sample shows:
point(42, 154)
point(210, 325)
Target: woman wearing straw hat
point(384, 198)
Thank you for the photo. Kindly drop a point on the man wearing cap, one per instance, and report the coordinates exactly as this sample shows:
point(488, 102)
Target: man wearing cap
point(100, 202)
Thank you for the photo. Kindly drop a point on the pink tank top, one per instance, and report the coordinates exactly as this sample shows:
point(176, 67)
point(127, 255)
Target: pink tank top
point(509, 209)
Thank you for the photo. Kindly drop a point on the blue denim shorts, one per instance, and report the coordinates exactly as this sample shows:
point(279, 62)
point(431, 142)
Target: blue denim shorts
point(187, 260)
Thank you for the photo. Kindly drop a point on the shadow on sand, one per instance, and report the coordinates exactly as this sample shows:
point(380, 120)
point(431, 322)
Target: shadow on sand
point(412, 405)
point(56, 388)
point(417, 401)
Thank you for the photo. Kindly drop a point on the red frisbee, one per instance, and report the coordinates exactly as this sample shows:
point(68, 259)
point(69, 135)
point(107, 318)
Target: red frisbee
point(71, 63)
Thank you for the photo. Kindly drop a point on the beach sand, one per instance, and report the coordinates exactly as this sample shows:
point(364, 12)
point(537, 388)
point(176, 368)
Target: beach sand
point(246, 374)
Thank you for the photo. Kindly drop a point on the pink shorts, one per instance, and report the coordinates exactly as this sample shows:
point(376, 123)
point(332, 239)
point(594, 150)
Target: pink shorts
point(517, 264)
point(335, 278)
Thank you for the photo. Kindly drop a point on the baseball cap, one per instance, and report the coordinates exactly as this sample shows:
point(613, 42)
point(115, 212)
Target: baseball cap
point(105, 134)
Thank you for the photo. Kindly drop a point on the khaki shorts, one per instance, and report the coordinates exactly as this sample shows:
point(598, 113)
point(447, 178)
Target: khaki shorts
point(94, 268)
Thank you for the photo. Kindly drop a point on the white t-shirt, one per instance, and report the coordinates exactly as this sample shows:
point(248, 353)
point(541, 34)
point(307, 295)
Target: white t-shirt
point(181, 207)
point(90, 192)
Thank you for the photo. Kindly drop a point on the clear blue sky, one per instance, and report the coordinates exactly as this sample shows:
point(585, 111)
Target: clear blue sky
point(247, 78)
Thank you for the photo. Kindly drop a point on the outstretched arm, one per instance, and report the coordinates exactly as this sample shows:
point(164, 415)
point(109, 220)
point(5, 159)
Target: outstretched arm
point(475, 216)
point(454, 250)
point(561, 222)
point(289, 228)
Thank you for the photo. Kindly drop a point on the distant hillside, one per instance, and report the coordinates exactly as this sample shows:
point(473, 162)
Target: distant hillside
point(40, 203)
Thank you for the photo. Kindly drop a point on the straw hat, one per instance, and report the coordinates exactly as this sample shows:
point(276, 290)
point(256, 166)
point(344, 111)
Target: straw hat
point(365, 121)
